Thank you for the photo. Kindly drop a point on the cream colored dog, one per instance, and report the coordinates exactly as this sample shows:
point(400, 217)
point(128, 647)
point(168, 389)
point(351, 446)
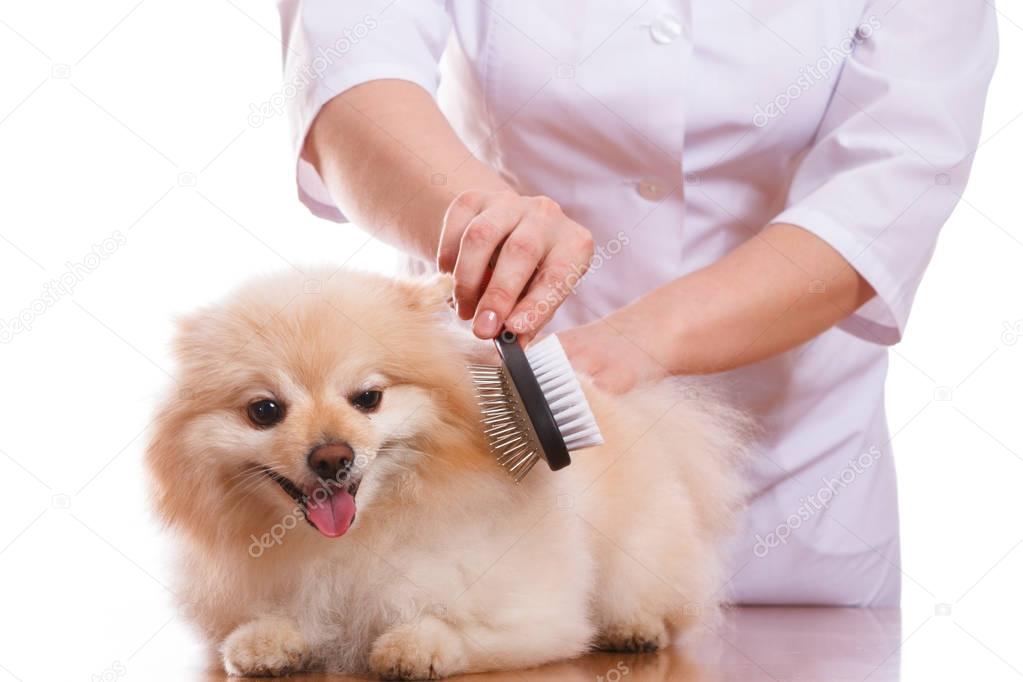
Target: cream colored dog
point(322, 462)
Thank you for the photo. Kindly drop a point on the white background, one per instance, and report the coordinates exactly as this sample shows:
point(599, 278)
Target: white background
point(131, 118)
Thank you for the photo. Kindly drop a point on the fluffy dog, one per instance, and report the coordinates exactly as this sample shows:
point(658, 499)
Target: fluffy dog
point(322, 463)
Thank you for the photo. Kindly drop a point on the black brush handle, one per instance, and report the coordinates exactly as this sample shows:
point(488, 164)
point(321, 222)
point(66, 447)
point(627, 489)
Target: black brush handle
point(537, 409)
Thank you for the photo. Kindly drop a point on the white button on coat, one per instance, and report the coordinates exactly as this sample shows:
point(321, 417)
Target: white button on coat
point(649, 189)
point(665, 29)
point(837, 117)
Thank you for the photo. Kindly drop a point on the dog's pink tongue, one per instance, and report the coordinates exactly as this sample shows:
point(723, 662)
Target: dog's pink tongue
point(333, 515)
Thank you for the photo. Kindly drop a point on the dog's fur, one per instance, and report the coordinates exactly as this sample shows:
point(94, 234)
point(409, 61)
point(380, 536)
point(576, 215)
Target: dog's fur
point(449, 566)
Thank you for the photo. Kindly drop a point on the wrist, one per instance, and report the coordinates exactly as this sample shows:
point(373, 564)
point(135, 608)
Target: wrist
point(655, 326)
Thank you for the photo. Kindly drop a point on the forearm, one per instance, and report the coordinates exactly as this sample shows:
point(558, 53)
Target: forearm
point(769, 295)
point(392, 162)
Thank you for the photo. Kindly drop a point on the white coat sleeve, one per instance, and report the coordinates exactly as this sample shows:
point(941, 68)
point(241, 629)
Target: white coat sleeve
point(333, 45)
point(894, 149)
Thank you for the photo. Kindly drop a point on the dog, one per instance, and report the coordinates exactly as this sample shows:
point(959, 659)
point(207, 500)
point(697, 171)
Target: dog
point(321, 462)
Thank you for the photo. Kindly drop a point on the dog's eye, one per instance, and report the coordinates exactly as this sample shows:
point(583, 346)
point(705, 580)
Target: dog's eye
point(265, 412)
point(367, 400)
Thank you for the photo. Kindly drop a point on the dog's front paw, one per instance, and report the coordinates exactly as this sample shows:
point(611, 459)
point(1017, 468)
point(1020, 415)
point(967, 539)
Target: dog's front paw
point(425, 650)
point(642, 635)
point(264, 647)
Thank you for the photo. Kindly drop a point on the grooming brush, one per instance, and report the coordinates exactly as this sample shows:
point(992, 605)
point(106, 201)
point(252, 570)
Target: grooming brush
point(533, 406)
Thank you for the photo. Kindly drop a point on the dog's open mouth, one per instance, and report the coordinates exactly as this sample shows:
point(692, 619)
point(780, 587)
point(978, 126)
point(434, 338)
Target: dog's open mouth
point(329, 508)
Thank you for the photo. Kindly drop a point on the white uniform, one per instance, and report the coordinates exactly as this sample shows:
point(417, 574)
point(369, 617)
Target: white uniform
point(674, 131)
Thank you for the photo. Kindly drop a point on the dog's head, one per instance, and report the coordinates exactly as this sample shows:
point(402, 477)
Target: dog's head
point(306, 398)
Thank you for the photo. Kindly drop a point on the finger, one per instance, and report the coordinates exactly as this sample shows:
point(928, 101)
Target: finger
point(521, 254)
point(526, 339)
point(559, 275)
point(462, 209)
point(477, 252)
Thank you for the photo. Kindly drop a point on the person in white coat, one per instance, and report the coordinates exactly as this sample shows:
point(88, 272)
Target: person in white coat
point(751, 188)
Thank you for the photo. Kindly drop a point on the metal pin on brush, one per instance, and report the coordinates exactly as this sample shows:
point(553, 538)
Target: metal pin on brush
point(532, 406)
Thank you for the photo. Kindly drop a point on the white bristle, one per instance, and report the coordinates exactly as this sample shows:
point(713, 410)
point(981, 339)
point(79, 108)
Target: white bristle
point(564, 394)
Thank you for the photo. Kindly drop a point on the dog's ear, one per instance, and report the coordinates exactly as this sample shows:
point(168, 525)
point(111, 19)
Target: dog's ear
point(190, 330)
point(432, 293)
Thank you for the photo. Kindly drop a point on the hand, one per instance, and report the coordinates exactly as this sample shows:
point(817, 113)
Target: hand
point(515, 259)
point(615, 352)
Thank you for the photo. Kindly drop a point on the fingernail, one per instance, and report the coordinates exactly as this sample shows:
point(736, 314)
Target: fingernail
point(486, 324)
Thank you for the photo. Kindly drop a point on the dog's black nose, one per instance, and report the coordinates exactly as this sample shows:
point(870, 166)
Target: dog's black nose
point(331, 460)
